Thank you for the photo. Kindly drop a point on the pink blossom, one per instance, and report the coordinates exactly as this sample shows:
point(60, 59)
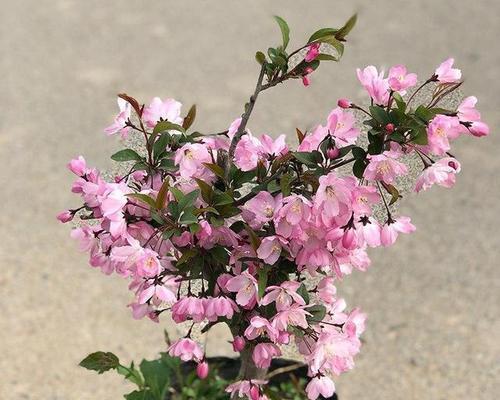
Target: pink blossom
point(188, 307)
point(344, 103)
point(384, 167)
point(258, 327)
point(248, 152)
point(262, 207)
point(342, 127)
point(163, 291)
point(327, 290)
point(306, 80)
point(270, 249)
point(333, 194)
point(368, 231)
point(65, 216)
point(250, 389)
point(186, 349)
point(263, 354)
point(238, 343)
point(190, 159)
point(274, 147)
point(400, 79)
point(441, 173)
point(158, 110)
point(119, 124)
point(312, 52)
point(471, 118)
point(216, 307)
point(446, 74)
point(202, 370)
point(78, 166)
point(440, 130)
point(375, 84)
point(148, 264)
point(364, 197)
point(313, 140)
point(246, 287)
point(320, 385)
point(392, 228)
point(283, 295)
point(295, 315)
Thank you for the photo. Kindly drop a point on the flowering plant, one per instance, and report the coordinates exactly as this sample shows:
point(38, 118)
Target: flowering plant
point(241, 229)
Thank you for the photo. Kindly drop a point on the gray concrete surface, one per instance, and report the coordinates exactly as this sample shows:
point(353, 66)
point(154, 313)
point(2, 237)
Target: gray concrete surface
point(433, 299)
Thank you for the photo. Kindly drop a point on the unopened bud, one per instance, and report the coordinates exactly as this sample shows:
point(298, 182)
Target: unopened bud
point(344, 103)
point(332, 153)
point(389, 128)
point(238, 343)
point(202, 370)
point(65, 216)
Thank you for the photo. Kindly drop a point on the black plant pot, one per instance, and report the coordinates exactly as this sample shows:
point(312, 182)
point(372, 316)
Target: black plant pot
point(229, 367)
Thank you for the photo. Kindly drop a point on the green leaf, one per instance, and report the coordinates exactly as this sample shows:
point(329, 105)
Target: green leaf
point(308, 158)
point(206, 190)
point(163, 126)
point(140, 395)
point(126, 155)
point(379, 114)
point(419, 135)
point(321, 33)
point(188, 199)
point(285, 30)
point(262, 282)
point(358, 168)
point(162, 194)
point(216, 169)
point(344, 31)
point(285, 187)
point(160, 145)
point(358, 153)
point(100, 362)
point(131, 374)
point(399, 101)
point(424, 114)
point(392, 191)
point(260, 57)
point(177, 193)
point(222, 198)
point(188, 255)
point(188, 218)
point(167, 164)
point(190, 117)
point(254, 239)
point(144, 198)
point(332, 41)
point(326, 57)
point(156, 375)
point(318, 312)
point(302, 292)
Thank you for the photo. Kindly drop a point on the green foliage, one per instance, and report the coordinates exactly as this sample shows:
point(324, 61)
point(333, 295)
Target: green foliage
point(126, 155)
point(285, 30)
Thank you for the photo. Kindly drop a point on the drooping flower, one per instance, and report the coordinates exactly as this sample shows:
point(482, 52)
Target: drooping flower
point(446, 74)
point(470, 118)
point(120, 122)
point(270, 249)
point(246, 288)
point(263, 354)
point(186, 349)
point(342, 127)
point(258, 327)
point(375, 84)
point(320, 386)
point(384, 167)
point(392, 228)
point(441, 173)
point(283, 295)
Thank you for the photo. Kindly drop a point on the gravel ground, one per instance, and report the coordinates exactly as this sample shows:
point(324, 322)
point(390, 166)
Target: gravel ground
point(433, 299)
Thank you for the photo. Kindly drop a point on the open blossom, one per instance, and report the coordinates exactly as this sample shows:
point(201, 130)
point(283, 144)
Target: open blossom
point(400, 79)
point(283, 295)
point(384, 167)
point(190, 159)
point(274, 147)
point(313, 140)
point(333, 194)
point(470, 118)
point(270, 249)
point(263, 354)
point(320, 386)
point(120, 122)
point(78, 166)
point(446, 74)
point(148, 265)
point(162, 110)
point(246, 288)
point(188, 308)
point(295, 315)
point(249, 389)
point(259, 327)
point(216, 307)
point(186, 349)
point(392, 228)
point(441, 173)
point(262, 207)
point(375, 84)
point(440, 131)
point(342, 127)
point(248, 152)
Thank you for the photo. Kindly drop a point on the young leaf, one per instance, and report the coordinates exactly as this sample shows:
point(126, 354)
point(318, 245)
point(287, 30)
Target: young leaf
point(126, 155)
point(144, 198)
point(167, 126)
point(100, 362)
point(262, 282)
point(318, 313)
point(160, 144)
point(133, 102)
point(260, 57)
point(308, 158)
point(162, 194)
point(395, 196)
point(191, 115)
point(419, 135)
point(344, 31)
point(379, 114)
point(216, 169)
point(302, 292)
point(188, 199)
point(358, 168)
point(285, 30)
point(206, 190)
point(322, 33)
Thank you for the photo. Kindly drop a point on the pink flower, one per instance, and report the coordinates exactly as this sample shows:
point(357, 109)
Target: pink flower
point(148, 264)
point(375, 84)
point(368, 230)
point(119, 124)
point(202, 370)
point(441, 173)
point(250, 389)
point(327, 290)
point(188, 307)
point(262, 208)
point(333, 194)
point(190, 159)
point(186, 349)
point(283, 295)
point(400, 80)
point(306, 80)
point(164, 291)
point(344, 103)
point(248, 152)
point(446, 74)
point(259, 327)
point(158, 110)
point(384, 167)
point(274, 147)
point(216, 307)
point(246, 287)
point(470, 118)
point(270, 249)
point(342, 127)
point(320, 385)
point(263, 354)
point(313, 140)
point(392, 228)
point(78, 166)
point(295, 315)
point(238, 343)
point(440, 130)
point(312, 52)
point(65, 216)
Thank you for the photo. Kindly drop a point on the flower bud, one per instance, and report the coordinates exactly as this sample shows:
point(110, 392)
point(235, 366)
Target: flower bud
point(65, 216)
point(202, 370)
point(389, 128)
point(255, 393)
point(77, 166)
point(332, 153)
point(344, 103)
point(238, 343)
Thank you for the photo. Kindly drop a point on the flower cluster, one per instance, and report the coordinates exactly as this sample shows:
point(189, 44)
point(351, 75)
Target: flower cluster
point(240, 229)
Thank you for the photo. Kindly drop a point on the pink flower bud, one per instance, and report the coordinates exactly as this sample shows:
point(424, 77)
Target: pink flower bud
point(65, 216)
point(332, 153)
point(202, 370)
point(238, 343)
point(77, 166)
point(255, 393)
point(344, 103)
point(389, 128)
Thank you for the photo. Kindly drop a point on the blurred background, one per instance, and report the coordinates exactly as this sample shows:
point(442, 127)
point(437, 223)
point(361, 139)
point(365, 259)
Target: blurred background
point(433, 299)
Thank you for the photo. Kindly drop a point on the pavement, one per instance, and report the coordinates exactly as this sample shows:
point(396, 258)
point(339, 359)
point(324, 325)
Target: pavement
point(433, 300)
